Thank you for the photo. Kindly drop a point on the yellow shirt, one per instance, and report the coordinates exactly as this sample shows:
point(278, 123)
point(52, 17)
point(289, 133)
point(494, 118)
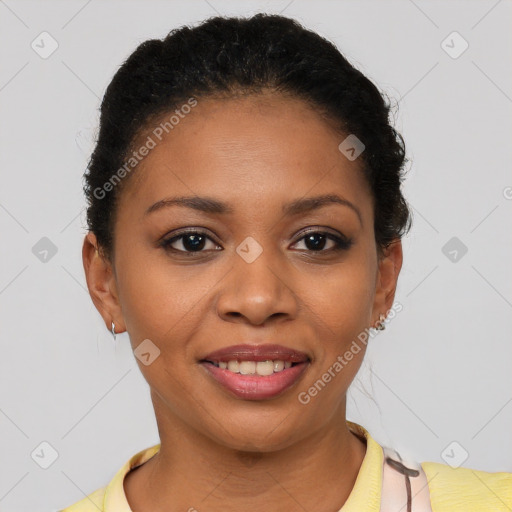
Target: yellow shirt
point(451, 490)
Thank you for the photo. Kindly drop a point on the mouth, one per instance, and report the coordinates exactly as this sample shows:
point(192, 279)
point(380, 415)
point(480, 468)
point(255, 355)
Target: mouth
point(256, 372)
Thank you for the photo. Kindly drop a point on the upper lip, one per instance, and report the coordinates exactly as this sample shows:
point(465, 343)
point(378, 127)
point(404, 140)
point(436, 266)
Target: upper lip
point(257, 353)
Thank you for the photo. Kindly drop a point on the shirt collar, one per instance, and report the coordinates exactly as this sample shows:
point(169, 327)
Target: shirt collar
point(365, 494)
point(115, 497)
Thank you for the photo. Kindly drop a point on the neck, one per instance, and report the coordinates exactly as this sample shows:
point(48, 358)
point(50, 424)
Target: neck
point(192, 471)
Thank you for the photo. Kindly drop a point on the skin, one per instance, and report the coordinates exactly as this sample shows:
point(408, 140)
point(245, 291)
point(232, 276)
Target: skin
point(257, 153)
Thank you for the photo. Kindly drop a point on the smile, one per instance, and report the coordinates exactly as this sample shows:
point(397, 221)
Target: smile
point(255, 372)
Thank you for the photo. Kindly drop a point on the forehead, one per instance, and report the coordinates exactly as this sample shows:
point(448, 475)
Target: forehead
point(246, 149)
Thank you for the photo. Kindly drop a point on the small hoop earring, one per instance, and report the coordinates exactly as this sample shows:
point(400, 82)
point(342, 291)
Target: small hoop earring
point(380, 324)
point(114, 330)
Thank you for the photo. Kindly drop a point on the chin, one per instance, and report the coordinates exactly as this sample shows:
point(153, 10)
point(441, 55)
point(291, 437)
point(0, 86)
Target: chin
point(257, 430)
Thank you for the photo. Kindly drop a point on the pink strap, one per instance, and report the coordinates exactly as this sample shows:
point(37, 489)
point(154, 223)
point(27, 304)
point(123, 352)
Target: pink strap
point(404, 486)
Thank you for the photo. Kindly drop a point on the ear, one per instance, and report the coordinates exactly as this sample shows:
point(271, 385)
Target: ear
point(102, 284)
point(389, 265)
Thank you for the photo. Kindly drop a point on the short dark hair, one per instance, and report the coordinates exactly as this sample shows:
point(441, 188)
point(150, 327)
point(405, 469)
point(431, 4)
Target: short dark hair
point(234, 55)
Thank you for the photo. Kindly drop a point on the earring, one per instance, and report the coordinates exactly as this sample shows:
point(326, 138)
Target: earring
point(380, 324)
point(113, 330)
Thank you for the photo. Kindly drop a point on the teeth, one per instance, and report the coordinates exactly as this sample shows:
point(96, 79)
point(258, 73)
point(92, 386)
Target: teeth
point(262, 368)
point(233, 366)
point(278, 366)
point(247, 367)
point(265, 367)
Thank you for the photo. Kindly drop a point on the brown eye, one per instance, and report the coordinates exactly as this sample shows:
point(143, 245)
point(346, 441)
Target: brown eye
point(190, 241)
point(317, 240)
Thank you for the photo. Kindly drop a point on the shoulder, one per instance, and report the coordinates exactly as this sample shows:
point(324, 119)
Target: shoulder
point(465, 489)
point(92, 503)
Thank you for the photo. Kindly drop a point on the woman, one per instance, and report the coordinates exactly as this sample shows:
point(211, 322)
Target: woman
point(245, 223)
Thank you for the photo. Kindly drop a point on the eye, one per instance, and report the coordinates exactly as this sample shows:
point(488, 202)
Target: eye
point(191, 241)
point(194, 241)
point(316, 241)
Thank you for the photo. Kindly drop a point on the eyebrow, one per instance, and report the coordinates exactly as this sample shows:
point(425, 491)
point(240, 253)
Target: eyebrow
point(213, 206)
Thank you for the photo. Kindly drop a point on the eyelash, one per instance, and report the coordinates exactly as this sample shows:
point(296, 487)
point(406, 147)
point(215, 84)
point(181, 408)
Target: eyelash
point(341, 243)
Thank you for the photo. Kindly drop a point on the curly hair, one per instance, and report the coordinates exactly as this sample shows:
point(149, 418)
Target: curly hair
point(229, 56)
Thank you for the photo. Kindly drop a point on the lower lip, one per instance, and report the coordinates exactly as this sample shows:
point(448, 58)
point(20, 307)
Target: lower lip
point(256, 387)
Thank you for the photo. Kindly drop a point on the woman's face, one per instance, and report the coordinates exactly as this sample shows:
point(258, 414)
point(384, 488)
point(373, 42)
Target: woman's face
point(260, 268)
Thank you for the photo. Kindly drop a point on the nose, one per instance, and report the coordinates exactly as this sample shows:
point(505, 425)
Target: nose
point(254, 292)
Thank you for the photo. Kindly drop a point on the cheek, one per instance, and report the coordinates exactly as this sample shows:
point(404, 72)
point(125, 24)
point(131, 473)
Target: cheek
point(157, 298)
point(345, 298)
point(344, 306)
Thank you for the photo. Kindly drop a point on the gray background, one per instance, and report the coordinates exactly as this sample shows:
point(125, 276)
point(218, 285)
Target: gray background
point(440, 372)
